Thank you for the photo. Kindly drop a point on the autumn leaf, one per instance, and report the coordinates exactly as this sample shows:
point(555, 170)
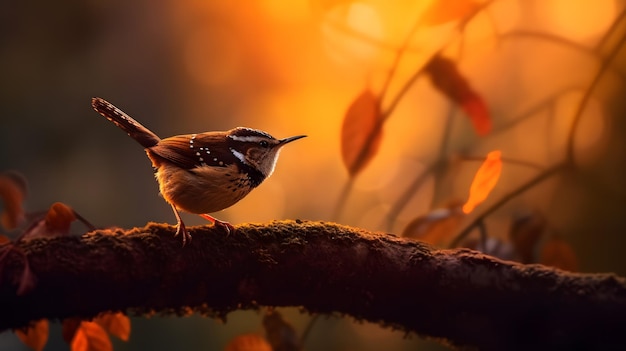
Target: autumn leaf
point(56, 222)
point(280, 333)
point(437, 226)
point(90, 336)
point(361, 132)
point(117, 324)
point(4, 239)
point(36, 336)
point(484, 181)
point(248, 342)
point(525, 232)
point(12, 193)
point(441, 11)
point(447, 78)
point(558, 253)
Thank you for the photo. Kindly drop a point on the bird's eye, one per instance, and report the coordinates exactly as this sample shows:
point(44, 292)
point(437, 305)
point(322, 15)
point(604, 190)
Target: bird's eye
point(264, 143)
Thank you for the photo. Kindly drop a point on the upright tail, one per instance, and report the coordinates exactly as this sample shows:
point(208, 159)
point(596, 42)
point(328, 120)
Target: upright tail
point(134, 129)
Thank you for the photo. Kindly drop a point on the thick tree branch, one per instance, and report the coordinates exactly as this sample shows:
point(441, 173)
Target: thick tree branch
point(460, 295)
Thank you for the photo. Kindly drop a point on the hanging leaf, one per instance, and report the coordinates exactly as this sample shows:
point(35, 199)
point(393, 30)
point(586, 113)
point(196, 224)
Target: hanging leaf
point(117, 324)
point(248, 342)
point(90, 336)
point(484, 181)
point(436, 227)
point(57, 222)
point(442, 11)
point(361, 132)
point(558, 253)
point(12, 193)
point(280, 334)
point(36, 336)
point(446, 77)
point(525, 232)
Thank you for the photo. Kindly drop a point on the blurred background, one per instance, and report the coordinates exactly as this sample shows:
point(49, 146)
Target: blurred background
point(294, 67)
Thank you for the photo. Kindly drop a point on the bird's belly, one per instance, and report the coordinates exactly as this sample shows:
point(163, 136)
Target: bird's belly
point(203, 189)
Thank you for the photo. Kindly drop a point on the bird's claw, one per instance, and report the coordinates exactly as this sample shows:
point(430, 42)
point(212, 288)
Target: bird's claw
point(182, 230)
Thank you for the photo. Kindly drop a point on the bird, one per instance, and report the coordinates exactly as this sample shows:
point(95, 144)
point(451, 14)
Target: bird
point(202, 173)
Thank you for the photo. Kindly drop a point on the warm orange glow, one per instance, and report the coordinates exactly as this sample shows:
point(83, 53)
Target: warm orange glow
point(351, 32)
point(485, 180)
point(287, 11)
point(207, 65)
point(580, 19)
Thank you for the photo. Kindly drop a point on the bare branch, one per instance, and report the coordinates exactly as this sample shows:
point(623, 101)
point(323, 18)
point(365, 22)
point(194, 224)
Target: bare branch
point(462, 296)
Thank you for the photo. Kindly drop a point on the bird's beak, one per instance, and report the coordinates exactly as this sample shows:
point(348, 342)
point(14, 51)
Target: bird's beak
point(290, 139)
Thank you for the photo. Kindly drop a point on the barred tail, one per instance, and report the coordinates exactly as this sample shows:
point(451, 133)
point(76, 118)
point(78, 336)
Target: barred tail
point(134, 129)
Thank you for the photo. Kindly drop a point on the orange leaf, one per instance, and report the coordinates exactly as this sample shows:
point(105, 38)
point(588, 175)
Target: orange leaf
point(441, 11)
point(91, 337)
point(556, 252)
point(117, 324)
point(437, 226)
point(361, 132)
point(447, 78)
point(36, 336)
point(248, 342)
point(12, 193)
point(4, 239)
point(484, 181)
point(59, 218)
point(525, 232)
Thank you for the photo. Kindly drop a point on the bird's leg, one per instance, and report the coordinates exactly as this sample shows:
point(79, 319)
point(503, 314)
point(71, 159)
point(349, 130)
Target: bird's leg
point(227, 226)
point(180, 227)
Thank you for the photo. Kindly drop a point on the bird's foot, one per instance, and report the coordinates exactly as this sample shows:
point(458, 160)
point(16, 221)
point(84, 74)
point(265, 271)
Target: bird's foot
point(227, 226)
point(182, 230)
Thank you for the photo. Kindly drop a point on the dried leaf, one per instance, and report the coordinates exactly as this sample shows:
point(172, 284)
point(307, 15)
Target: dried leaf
point(248, 342)
point(12, 193)
point(437, 226)
point(361, 132)
point(36, 336)
point(447, 78)
point(441, 11)
point(57, 222)
point(558, 253)
point(484, 181)
point(280, 333)
point(90, 336)
point(525, 232)
point(59, 217)
point(117, 324)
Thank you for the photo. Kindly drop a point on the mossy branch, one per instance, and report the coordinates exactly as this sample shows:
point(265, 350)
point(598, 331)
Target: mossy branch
point(463, 296)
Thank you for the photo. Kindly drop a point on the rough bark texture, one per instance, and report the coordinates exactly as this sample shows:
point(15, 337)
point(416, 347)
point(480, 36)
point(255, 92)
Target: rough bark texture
point(462, 296)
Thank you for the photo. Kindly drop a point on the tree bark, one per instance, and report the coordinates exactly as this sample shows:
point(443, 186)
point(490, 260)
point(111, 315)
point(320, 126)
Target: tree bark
point(461, 296)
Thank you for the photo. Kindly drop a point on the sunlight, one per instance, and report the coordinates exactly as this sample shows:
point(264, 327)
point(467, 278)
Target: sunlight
point(351, 31)
point(581, 19)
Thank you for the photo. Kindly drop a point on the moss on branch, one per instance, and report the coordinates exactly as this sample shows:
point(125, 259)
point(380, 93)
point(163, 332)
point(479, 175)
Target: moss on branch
point(463, 296)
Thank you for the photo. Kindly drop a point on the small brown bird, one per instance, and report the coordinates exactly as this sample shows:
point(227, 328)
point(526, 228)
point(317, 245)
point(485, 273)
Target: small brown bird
point(204, 172)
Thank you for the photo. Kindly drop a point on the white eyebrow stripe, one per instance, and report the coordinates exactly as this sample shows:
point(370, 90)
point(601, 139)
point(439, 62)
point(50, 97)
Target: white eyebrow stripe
point(239, 155)
point(248, 138)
